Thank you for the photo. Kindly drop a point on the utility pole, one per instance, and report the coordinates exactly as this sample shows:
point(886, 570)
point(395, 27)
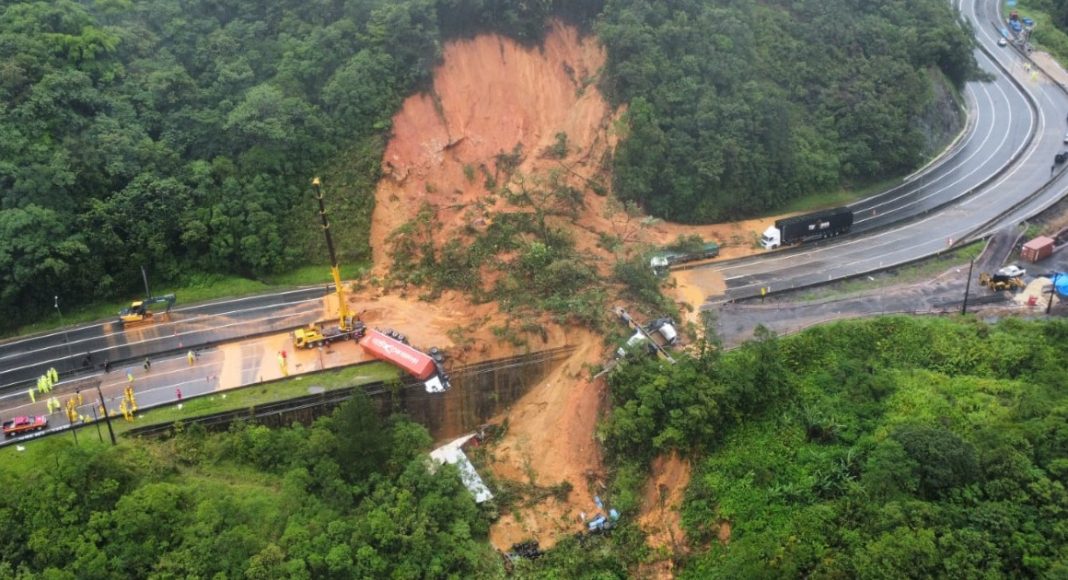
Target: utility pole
point(107, 416)
point(74, 431)
point(1052, 291)
point(97, 421)
point(967, 288)
point(144, 276)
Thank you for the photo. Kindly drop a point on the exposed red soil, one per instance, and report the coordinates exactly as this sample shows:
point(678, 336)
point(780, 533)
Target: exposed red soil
point(491, 95)
point(660, 517)
point(550, 440)
point(488, 96)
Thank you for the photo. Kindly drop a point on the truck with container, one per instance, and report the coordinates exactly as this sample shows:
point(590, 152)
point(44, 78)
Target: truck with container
point(803, 228)
point(420, 365)
point(662, 261)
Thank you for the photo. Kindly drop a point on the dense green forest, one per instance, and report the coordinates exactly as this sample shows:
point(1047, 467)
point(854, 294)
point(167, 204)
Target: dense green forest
point(180, 135)
point(737, 107)
point(891, 448)
point(349, 497)
point(896, 447)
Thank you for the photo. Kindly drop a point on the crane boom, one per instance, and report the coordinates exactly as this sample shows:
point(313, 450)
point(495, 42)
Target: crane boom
point(344, 315)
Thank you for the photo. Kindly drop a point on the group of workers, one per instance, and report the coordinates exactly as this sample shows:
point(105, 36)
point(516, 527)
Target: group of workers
point(44, 384)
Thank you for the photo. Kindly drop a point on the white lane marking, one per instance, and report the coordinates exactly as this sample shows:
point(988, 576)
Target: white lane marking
point(214, 328)
point(979, 167)
point(161, 325)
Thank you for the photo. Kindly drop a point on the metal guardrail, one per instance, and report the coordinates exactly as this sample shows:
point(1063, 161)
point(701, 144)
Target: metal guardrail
point(968, 238)
point(943, 309)
point(335, 397)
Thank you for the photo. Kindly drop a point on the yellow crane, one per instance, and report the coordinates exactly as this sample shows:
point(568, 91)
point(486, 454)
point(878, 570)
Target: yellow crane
point(317, 334)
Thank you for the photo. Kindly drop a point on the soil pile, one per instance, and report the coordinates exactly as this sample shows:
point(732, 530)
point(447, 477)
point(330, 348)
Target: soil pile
point(493, 99)
point(660, 517)
point(490, 96)
point(498, 109)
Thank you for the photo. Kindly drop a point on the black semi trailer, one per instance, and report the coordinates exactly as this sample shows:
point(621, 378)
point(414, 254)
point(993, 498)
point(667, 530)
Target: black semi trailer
point(812, 226)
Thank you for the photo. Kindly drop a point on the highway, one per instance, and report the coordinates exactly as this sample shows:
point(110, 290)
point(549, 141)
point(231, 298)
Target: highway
point(995, 177)
point(997, 172)
point(22, 361)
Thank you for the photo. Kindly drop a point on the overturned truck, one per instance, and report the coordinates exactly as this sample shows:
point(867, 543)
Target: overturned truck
point(417, 363)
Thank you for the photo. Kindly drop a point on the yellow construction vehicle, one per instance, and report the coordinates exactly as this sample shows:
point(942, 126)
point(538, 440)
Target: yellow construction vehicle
point(1007, 278)
point(139, 312)
point(321, 333)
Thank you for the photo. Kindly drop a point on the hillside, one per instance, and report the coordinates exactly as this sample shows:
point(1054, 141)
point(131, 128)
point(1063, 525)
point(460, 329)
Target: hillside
point(895, 447)
point(182, 137)
point(506, 178)
point(884, 448)
point(736, 109)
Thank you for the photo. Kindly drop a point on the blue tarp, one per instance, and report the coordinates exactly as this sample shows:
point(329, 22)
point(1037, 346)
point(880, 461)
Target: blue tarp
point(1060, 282)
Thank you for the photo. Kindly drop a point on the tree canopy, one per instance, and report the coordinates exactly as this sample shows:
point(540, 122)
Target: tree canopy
point(250, 503)
point(181, 136)
point(897, 447)
point(738, 107)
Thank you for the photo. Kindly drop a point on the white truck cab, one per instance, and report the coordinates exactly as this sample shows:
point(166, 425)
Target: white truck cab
point(662, 331)
point(771, 239)
point(659, 262)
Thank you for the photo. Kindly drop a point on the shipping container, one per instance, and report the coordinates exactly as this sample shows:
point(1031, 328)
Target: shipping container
point(812, 226)
point(1037, 249)
point(382, 347)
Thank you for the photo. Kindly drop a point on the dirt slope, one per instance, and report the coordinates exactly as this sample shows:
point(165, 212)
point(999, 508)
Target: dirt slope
point(492, 96)
point(550, 440)
point(489, 95)
point(660, 519)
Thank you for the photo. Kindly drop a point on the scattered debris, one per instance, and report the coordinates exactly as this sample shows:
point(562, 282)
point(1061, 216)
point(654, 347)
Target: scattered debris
point(453, 454)
point(656, 336)
point(528, 550)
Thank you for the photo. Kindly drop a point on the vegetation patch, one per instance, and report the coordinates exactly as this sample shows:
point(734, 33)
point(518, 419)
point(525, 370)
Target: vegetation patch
point(523, 258)
point(736, 110)
point(885, 448)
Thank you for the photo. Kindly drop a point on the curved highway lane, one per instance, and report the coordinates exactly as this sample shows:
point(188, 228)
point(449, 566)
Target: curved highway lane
point(1002, 123)
point(1026, 185)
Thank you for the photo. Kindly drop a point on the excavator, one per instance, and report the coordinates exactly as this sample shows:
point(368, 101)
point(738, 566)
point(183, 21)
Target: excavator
point(139, 311)
point(1007, 278)
point(323, 333)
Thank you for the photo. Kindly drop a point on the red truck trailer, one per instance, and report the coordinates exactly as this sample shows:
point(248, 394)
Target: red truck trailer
point(385, 348)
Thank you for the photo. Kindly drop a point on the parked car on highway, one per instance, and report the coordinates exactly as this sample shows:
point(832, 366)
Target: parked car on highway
point(20, 425)
point(1002, 41)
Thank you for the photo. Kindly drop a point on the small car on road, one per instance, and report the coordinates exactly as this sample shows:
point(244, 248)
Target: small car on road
point(20, 425)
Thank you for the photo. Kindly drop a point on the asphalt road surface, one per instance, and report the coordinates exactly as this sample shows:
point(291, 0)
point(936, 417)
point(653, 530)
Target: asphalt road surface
point(156, 386)
point(943, 294)
point(1002, 162)
point(84, 349)
point(1026, 184)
